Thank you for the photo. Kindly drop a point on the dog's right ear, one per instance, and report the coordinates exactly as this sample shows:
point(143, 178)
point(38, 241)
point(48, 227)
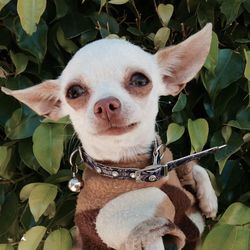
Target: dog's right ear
point(42, 98)
point(180, 63)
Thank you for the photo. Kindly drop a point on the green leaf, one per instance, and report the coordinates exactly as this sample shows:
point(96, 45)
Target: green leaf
point(174, 132)
point(32, 238)
point(30, 12)
point(48, 146)
point(20, 61)
point(59, 239)
point(226, 132)
point(161, 37)
point(212, 57)
point(88, 36)
point(61, 8)
point(26, 190)
point(229, 96)
point(181, 103)
point(18, 82)
point(135, 31)
point(67, 44)
point(239, 124)
point(247, 67)
point(165, 12)
point(61, 176)
point(118, 2)
point(205, 12)
point(50, 212)
point(40, 198)
point(26, 154)
point(198, 133)
point(53, 47)
point(214, 183)
point(236, 214)
point(26, 218)
point(107, 23)
point(233, 145)
point(5, 157)
point(9, 212)
point(243, 116)
point(3, 3)
point(247, 72)
point(230, 8)
point(229, 69)
point(102, 3)
point(21, 125)
point(11, 103)
point(36, 44)
point(75, 24)
point(224, 237)
point(6, 247)
point(242, 119)
point(64, 120)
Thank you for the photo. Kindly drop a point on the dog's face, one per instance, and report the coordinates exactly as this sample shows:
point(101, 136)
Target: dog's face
point(110, 90)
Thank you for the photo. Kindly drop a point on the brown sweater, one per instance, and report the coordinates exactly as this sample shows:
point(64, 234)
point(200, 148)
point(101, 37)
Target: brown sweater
point(99, 190)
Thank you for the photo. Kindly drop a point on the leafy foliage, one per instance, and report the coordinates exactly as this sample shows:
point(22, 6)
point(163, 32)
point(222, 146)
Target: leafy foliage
point(36, 42)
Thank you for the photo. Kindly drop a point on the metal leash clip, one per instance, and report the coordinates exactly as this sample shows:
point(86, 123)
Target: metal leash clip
point(175, 163)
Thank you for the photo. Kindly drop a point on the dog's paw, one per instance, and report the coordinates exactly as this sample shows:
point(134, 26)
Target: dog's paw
point(207, 200)
point(205, 193)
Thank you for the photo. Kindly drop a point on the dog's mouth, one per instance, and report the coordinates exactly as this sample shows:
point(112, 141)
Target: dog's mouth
point(118, 130)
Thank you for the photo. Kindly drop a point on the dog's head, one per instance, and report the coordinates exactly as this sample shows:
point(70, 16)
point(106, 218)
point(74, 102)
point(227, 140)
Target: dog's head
point(110, 90)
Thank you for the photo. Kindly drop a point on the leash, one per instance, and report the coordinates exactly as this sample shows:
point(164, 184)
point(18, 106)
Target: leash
point(151, 173)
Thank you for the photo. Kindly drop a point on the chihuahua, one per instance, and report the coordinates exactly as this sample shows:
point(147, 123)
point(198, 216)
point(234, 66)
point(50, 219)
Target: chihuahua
point(110, 90)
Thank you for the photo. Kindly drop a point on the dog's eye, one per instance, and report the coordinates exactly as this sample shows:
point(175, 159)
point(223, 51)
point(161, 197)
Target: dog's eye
point(75, 91)
point(138, 80)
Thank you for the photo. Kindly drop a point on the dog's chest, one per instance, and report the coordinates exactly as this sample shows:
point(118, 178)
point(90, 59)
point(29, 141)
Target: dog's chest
point(99, 190)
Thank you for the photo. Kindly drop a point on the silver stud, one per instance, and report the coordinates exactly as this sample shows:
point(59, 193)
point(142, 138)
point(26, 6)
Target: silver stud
point(98, 170)
point(75, 185)
point(152, 178)
point(132, 175)
point(115, 173)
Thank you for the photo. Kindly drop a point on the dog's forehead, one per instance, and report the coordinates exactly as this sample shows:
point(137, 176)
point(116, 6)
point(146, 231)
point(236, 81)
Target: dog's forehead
point(107, 58)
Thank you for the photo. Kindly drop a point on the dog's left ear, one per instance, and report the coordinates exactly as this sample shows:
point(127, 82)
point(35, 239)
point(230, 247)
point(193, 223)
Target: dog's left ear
point(180, 63)
point(42, 98)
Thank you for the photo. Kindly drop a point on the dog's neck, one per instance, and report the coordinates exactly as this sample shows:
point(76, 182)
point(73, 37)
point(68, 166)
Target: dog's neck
point(137, 161)
point(115, 150)
point(133, 159)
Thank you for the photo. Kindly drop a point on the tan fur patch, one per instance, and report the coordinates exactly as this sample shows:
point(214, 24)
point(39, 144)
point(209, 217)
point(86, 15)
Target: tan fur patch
point(85, 222)
point(166, 209)
point(185, 174)
point(82, 101)
point(136, 91)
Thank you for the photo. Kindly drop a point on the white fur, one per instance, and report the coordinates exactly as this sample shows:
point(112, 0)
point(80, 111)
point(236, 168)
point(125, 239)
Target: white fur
point(102, 66)
point(205, 192)
point(156, 245)
point(121, 215)
point(198, 220)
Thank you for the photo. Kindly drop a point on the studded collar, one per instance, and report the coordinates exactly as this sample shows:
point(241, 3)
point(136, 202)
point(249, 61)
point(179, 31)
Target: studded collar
point(151, 173)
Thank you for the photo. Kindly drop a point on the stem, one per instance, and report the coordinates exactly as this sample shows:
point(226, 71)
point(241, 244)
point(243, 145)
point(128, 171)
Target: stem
point(138, 19)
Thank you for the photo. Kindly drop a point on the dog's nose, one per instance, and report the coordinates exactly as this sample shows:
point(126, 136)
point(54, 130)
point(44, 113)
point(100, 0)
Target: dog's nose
point(107, 108)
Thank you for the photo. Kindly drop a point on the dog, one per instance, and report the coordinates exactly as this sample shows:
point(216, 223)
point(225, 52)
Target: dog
point(110, 90)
